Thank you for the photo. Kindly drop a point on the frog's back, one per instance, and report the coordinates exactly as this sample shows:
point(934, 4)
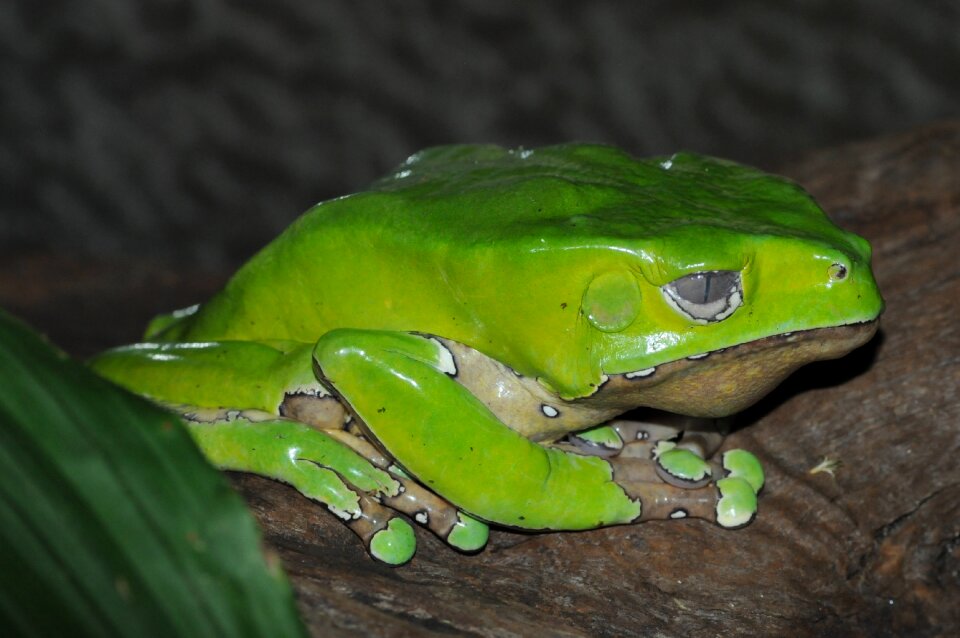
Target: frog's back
point(395, 257)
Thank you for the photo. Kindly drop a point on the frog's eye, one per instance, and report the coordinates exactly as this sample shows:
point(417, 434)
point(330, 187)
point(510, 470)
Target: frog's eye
point(707, 296)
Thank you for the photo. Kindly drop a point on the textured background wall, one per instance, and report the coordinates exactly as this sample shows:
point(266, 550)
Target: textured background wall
point(196, 129)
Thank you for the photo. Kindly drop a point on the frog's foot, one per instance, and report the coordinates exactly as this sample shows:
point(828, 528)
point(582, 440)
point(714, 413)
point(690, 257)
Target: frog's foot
point(679, 448)
point(318, 466)
point(678, 484)
point(727, 496)
point(405, 391)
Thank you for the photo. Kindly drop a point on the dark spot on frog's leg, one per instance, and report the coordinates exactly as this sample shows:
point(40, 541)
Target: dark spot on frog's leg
point(381, 410)
point(563, 306)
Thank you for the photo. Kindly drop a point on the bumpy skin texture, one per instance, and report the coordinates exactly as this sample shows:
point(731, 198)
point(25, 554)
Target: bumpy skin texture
point(549, 280)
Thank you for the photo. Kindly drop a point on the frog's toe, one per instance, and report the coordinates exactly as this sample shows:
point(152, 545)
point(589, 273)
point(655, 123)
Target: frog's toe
point(393, 544)
point(744, 465)
point(468, 534)
point(681, 467)
point(737, 505)
point(599, 441)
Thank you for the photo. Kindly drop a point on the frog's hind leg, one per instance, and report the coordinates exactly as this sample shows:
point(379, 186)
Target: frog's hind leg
point(404, 389)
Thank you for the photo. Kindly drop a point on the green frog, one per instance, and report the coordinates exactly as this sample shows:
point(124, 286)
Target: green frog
point(464, 342)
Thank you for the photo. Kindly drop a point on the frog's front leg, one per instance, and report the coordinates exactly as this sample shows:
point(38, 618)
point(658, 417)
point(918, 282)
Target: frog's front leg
point(403, 388)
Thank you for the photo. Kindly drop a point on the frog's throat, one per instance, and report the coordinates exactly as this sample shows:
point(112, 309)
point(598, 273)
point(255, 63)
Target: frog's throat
point(726, 381)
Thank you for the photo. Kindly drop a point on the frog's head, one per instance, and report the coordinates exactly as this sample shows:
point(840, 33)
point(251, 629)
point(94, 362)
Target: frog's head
point(709, 336)
point(731, 286)
point(686, 283)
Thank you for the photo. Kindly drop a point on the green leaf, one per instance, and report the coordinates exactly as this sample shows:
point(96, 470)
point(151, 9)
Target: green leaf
point(111, 521)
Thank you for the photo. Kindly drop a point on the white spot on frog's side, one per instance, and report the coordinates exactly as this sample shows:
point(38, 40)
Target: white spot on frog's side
point(666, 164)
point(638, 374)
point(549, 411)
point(446, 363)
point(678, 514)
point(694, 357)
point(421, 517)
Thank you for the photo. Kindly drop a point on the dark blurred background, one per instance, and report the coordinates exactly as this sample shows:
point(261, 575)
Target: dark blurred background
point(194, 130)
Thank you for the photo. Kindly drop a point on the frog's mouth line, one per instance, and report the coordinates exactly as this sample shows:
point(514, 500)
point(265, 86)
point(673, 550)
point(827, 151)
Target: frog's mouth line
point(728, 380)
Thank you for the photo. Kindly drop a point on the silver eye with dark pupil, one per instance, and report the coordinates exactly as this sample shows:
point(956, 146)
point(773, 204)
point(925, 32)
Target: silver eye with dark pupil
point(706, 296)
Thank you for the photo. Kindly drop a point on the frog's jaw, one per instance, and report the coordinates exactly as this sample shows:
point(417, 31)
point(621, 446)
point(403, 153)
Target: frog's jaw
point(728, 380)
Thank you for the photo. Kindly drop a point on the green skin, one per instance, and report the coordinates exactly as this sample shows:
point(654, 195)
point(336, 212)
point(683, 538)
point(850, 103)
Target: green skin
point(473, 270)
